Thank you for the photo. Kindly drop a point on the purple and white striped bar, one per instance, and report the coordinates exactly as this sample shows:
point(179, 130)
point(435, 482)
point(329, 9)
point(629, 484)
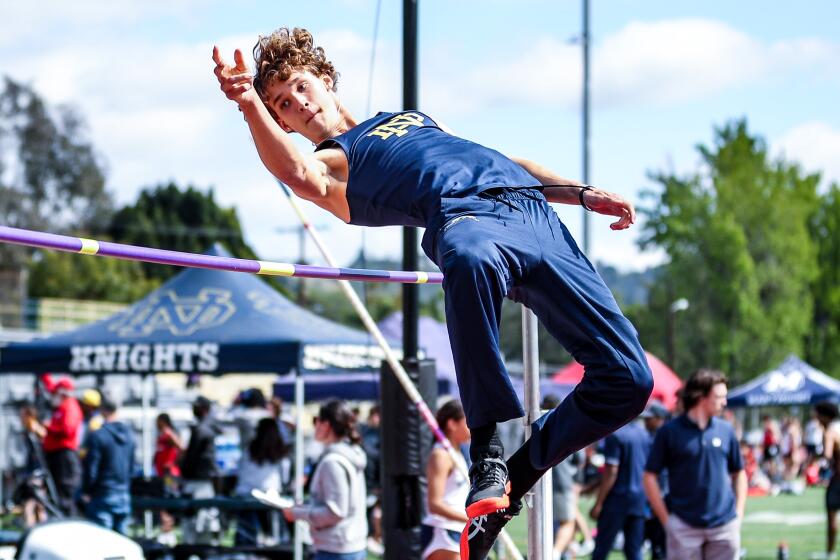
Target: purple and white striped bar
point(134, 253)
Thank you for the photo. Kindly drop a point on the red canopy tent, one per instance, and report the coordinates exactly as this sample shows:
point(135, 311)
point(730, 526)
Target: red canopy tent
point(665, 381)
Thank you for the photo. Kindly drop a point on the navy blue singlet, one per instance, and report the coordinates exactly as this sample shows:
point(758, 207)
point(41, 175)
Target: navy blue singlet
point(402, 164)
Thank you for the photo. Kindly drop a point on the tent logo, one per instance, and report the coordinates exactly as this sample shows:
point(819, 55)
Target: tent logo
point(788, 382)
point(181, 316)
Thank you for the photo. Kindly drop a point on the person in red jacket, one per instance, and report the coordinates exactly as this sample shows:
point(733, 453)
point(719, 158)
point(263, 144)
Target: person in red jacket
point(60, 439)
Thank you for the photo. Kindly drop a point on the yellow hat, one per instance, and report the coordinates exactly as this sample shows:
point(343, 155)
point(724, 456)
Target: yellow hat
point(91, 397)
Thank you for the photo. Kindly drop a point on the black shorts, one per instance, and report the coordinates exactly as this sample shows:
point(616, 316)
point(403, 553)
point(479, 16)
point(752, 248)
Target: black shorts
point(832, 495)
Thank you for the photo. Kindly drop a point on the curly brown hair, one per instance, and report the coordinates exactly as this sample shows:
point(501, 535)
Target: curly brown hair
point(277, 55)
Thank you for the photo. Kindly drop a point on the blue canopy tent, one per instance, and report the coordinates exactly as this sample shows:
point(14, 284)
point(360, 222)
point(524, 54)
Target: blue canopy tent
point(793, 382)
point(200, 321)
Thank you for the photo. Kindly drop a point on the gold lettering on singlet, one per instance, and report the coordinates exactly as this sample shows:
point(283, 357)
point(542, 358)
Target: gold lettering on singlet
point(397, 126)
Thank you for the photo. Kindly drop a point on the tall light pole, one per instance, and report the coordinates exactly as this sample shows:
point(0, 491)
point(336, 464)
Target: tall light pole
point(585, 111)
point(670, 345)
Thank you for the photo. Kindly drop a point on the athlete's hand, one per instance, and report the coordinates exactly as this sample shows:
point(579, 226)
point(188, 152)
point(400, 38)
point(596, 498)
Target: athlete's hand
point(595, 512)
point(235, 81)
point(611, 204)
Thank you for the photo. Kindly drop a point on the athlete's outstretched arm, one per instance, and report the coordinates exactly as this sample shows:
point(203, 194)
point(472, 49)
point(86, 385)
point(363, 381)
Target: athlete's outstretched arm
point(567, 191)
point(307, 176)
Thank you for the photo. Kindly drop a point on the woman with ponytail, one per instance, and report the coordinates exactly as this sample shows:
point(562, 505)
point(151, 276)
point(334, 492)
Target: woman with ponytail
point(447, 488)
point(336, 510)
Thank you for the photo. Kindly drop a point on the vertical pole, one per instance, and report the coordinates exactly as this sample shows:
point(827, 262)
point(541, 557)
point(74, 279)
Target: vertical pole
point(540, 541)
point(410, 302)
point(145, 378)
point(585, 45)
point(4, 436)
point(298, 554)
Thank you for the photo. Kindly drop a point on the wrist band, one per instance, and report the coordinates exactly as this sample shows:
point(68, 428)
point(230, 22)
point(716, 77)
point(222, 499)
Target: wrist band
point(583, 189)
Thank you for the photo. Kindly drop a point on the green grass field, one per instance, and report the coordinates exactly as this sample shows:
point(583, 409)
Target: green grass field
point(797, 520)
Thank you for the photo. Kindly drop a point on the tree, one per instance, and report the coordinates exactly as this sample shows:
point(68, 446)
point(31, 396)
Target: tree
point(188, 220)
point(823, 342)
point(737, 237)
point(67, 275)
point(50, 175)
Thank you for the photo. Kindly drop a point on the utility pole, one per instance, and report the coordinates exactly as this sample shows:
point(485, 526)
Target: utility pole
point(300, 231)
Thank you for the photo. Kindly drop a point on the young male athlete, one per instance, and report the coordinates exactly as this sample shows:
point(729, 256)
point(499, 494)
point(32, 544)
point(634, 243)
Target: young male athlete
point(491, 231)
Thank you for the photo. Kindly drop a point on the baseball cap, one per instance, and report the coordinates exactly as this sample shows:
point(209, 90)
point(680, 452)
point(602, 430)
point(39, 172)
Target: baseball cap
point(51, 384)
point(655, 409)
point(91, 397)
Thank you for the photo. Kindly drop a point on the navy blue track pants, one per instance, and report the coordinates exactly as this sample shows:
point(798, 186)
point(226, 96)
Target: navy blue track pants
point(511, 243)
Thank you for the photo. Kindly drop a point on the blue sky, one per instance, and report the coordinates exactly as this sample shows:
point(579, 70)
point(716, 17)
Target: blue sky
point(503, 73)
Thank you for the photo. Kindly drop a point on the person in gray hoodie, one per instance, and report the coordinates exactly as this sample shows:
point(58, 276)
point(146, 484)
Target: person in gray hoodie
point(107, 468)
point(336, 510)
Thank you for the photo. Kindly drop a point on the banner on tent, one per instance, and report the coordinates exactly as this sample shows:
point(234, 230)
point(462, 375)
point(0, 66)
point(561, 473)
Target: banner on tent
point(186, 357)
point(320, 357)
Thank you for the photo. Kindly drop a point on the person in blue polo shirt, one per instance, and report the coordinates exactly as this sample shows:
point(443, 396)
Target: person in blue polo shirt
point(708, 486)
point(621, 503)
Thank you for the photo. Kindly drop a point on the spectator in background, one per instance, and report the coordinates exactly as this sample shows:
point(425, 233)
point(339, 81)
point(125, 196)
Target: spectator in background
point(93, 420)
point(60, 439)
point(33, 511)
point(708, 486)
point(790, 449)
point(336, 510)
point(286, 425)
point(620, 504)
point(371, 437)
point(275, 410)
point(168, 449)
point(770, 448)
point(828, 414)
point(813, 437)
point(448, 486)
point(107, 470)
point(259, 469)
point(249, 410)
point(198, 469)
point(655, 416)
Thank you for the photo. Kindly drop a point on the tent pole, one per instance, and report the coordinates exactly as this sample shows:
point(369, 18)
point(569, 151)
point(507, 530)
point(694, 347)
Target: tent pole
point(396, 367)
point(298, 480)
point(147, 445)
point(540, 535)
point(4, 437)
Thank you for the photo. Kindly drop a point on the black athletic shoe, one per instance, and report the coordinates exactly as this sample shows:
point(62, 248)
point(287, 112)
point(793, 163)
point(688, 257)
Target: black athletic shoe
point(481, 532)
point(489, 487)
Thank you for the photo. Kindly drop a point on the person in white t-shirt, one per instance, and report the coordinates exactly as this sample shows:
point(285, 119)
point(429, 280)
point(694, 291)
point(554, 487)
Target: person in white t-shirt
point(447, 488)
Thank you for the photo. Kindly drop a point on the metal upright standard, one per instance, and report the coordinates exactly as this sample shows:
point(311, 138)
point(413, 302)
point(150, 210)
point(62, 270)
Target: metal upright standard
point(540, 541)
point(585, 111)
point(410, 303)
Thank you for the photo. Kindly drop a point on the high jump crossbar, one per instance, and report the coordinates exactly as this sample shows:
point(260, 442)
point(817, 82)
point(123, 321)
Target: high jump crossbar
point(43, 240)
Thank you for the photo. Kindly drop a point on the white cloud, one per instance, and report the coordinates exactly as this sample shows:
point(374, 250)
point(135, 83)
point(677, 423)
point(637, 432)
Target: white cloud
point(48, 20)
point(816, 146)
point(669, 61)
point(674, 61)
